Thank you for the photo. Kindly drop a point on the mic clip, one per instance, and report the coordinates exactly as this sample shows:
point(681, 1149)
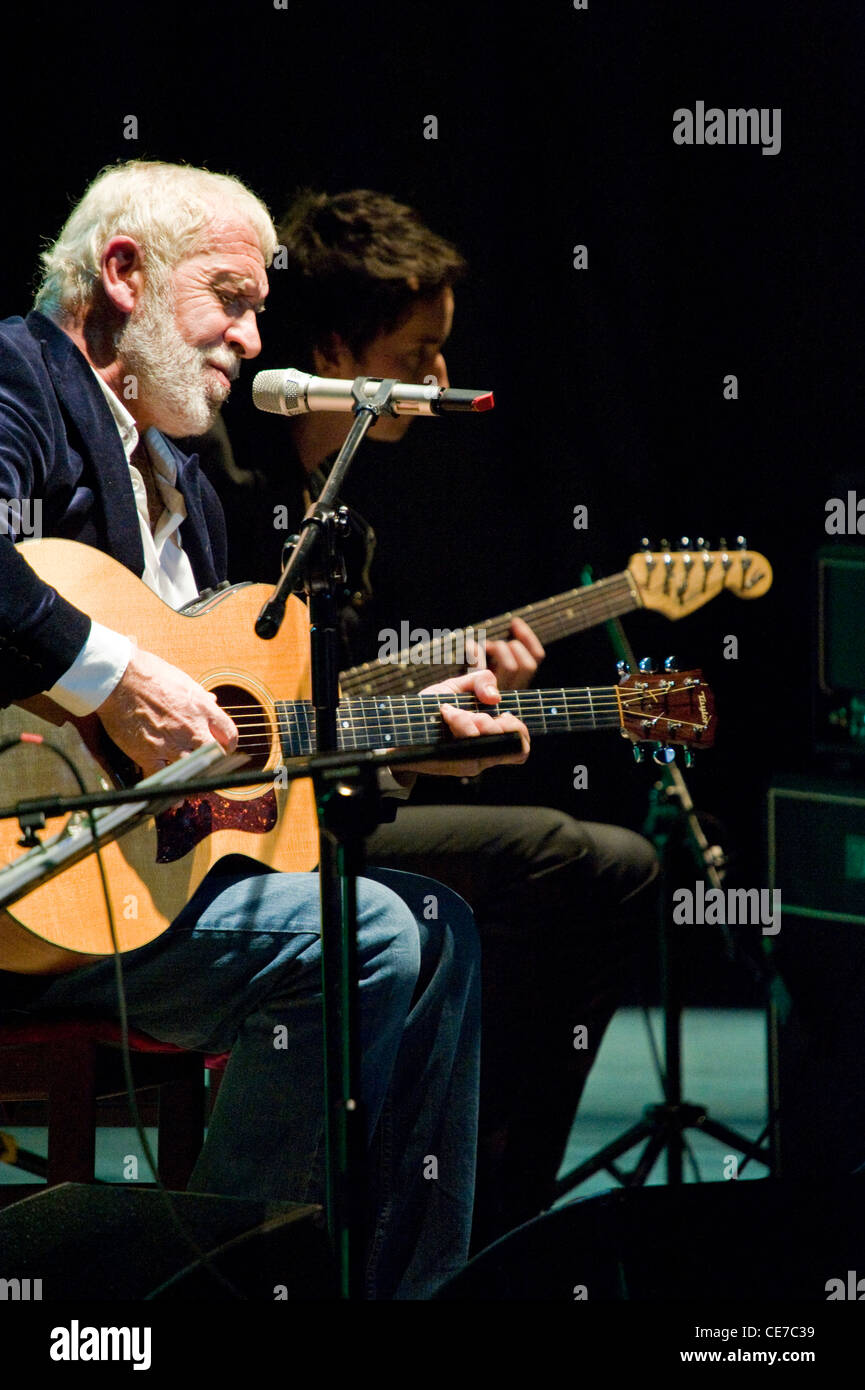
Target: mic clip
point(373, 405)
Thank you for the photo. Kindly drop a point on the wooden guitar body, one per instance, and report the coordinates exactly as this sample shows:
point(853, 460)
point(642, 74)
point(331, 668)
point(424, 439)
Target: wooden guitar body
point(155, 868)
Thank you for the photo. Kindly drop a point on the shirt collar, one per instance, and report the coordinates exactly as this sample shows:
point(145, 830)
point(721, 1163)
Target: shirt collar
point(122, 419)
point(158, 450)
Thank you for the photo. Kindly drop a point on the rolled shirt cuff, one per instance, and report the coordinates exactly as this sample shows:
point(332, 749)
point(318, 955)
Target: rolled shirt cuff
point(94, 673)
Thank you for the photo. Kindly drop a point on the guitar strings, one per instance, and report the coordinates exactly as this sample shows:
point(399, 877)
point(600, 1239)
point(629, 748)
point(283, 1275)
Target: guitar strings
point(372, 720)
point(370, 708)
point(440, 698)
point(565, 694)
point(546, 614)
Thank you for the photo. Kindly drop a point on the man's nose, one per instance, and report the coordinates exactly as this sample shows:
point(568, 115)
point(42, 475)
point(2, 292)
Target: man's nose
point(242, 333)
point(440, 369)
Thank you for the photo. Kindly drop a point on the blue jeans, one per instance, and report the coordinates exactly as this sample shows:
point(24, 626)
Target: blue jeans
point(239, 970)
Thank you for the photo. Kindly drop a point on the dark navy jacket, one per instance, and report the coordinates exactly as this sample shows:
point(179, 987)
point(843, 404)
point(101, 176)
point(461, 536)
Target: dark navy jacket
point(59, 444)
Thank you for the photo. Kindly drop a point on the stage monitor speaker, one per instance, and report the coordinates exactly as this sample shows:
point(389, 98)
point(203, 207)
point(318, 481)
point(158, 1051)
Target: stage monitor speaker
point(816, 835)
point(120, 1242)
point(756, 1239)
point(816, 842)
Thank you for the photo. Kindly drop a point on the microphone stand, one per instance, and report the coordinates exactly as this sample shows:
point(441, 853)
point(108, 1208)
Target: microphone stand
point(672, 821)
point(316, 565)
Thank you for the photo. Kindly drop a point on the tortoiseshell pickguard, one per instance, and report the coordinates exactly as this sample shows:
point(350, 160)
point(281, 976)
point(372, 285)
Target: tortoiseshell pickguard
point(181, 828)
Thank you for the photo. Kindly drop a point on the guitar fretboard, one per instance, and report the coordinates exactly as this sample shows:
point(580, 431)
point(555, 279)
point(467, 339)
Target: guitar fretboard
point(403, 719)
point(552, 619)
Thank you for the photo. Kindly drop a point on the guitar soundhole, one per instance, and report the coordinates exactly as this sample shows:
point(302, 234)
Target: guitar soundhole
point(254, 722)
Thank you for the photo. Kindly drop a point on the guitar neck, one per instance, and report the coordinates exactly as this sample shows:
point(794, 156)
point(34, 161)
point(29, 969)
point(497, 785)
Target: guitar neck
point(552, 619)
point(377, 723)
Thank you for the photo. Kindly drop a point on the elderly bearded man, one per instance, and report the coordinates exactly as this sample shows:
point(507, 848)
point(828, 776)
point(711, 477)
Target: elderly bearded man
point(157, 277)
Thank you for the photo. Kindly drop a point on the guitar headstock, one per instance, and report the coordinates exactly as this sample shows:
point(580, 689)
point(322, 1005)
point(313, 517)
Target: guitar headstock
point(672, 709)
point(678, 582)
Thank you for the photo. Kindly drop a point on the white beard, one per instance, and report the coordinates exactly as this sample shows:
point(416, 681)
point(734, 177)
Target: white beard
point(171, 375)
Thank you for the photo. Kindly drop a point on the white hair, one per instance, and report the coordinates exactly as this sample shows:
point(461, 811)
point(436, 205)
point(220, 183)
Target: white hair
point(170, 209)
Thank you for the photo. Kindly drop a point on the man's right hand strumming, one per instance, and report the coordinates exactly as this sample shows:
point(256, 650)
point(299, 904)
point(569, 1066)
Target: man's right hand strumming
point(156, 713)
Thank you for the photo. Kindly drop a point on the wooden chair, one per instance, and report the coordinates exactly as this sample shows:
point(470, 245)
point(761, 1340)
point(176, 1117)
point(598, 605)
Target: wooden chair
point(73, 1062)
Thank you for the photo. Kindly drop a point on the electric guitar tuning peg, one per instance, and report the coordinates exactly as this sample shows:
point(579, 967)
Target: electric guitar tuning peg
point(741, 543)
point(722, 542)
point(623, 669)
point(671, 664)
point(647, 666)
point(700, 542)
point(665, 545)
point(645, 543)
point(685, 543)
point(664, 754)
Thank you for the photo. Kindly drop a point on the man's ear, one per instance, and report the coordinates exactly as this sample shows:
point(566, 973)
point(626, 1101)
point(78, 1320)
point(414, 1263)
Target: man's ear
point(122, 272)
point(333, 358)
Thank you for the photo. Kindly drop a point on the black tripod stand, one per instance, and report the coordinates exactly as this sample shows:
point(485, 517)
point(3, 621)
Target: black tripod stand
point(671, 820)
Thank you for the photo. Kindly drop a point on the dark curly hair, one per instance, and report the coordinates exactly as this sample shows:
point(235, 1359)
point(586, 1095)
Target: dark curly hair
point(358, 262)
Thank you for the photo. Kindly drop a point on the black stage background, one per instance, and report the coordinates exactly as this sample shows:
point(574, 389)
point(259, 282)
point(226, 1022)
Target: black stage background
point(554, 128)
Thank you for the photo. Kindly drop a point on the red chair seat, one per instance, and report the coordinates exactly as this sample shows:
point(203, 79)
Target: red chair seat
point(102, 1030)
point(72, 1063)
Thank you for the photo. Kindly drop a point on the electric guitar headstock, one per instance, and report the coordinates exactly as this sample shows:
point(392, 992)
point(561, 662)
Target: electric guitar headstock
point(678, 582)
point(669, 710)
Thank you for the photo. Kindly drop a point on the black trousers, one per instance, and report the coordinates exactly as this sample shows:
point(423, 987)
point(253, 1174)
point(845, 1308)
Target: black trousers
point(560, 905)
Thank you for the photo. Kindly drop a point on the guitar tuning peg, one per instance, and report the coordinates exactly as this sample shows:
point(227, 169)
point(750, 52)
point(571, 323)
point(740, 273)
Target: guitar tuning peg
point(623, 669)
point(665, 545)
point(647, 666)
point(741, 543)
point(685, 543)
point(722, 542)
point(664, 754)
point(639, 754)
point(645, 543)
point(671, 664)
point(700, 542)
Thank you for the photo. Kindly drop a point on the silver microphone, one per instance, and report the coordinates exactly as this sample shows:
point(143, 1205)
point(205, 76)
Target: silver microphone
point(289, 392)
